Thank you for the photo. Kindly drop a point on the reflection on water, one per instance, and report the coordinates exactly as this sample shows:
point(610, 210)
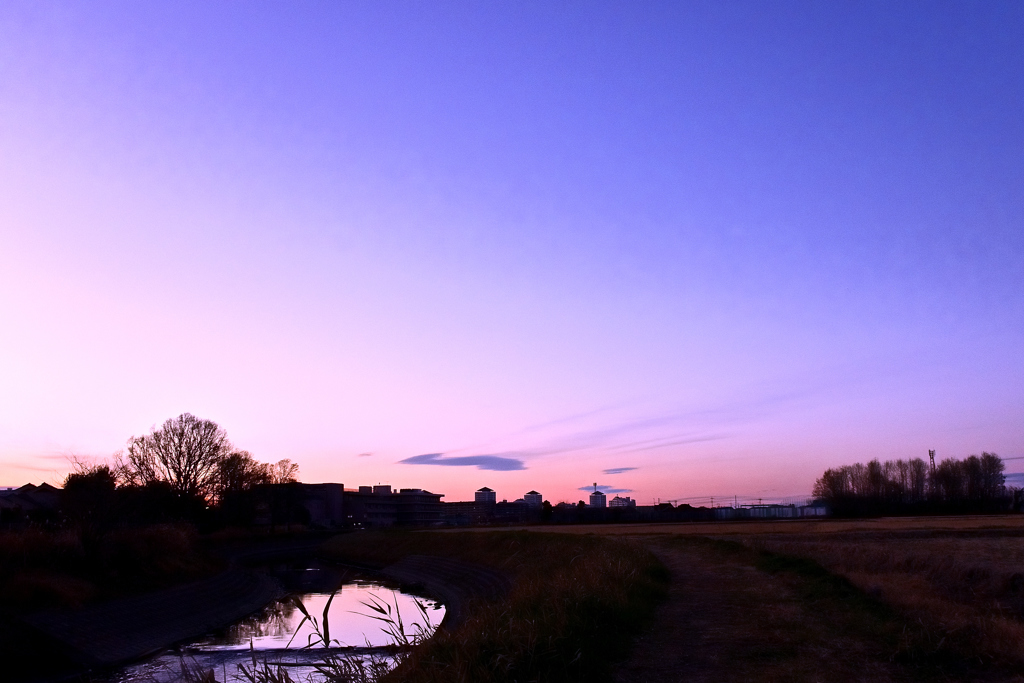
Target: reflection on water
point(294, 629)
point(344, 615)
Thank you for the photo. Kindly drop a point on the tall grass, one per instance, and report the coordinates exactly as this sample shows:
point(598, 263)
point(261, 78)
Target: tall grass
point(372, 667)
point(574, 603)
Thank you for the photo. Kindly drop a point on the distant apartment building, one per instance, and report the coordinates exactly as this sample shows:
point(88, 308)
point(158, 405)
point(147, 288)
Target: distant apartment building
point(465, 513)
point(485, 509)
point(598, 499)
point(379, 506)
point(533, 499)
point(622, 502)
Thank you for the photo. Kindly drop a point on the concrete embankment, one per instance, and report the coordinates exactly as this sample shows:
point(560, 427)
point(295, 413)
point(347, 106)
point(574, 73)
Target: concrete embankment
point(131, 628)
point(450, 581)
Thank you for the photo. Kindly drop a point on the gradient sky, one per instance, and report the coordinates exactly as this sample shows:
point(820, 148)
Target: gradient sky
point(682, 249)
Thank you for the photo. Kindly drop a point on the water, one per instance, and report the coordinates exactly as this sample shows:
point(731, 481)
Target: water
point(349, 621)
point(296, 630)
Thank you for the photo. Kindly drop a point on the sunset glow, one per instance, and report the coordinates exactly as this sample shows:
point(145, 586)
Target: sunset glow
point(681, 250)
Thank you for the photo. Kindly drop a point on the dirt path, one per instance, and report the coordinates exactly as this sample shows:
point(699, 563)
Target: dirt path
point(725, 620)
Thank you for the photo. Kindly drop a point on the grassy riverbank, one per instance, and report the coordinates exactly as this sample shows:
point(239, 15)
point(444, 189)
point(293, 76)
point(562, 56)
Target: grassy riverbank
point(68, 569)
point(574, 603)
point(43, 569)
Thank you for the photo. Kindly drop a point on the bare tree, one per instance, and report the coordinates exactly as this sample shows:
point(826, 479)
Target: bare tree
point(185, 452)
point(284, 472)
point(238, 471)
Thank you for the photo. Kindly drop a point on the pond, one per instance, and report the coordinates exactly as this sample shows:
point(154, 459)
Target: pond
point(299, 630)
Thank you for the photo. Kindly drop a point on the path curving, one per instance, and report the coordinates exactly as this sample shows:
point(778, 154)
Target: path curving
point(725, 620)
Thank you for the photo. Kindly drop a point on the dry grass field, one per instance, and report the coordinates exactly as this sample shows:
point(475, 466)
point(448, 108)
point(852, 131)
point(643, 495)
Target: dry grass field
point(964, 589)
point(881, 599)
point(797, 526)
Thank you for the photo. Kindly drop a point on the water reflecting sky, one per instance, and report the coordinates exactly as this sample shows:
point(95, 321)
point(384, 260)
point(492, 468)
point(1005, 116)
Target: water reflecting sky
point(282, 633)
point(350, 621)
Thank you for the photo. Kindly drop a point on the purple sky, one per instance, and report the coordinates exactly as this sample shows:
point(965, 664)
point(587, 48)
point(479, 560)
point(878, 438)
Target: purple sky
point(711, 248)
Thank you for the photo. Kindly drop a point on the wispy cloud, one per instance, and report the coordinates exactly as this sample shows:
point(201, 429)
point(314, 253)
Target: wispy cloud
point(15, 465)
point(604, 489)
point(619, 470)
point(617, 436)
point(364, 455)
point(664, 443)
point(499, 463)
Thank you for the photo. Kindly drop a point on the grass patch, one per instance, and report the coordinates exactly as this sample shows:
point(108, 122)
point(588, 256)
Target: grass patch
point(800, 612)
point(574, 604)
point(960, 591)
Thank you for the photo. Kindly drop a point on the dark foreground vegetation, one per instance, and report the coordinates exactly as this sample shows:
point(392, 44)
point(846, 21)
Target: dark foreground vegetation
point(41, 569)
point(574, 603)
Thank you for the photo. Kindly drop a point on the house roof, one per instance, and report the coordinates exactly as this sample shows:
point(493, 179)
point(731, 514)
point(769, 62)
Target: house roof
point(31, 497)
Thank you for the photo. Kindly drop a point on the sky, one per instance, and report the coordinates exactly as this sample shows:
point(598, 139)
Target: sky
point(678, 250)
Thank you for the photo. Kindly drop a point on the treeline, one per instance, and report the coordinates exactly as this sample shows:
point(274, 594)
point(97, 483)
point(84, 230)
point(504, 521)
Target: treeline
point(185, 471)
point(894, 487)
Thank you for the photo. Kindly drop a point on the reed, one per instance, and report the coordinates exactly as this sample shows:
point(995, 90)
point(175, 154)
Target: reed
point(574, 604)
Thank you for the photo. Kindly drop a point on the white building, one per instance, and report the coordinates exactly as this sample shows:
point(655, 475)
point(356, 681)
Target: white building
point(597, 499)
point(533, 499)
point(485, 495)
point(620, 502)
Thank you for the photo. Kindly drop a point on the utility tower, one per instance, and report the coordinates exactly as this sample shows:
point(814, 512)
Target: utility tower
point(931, 456)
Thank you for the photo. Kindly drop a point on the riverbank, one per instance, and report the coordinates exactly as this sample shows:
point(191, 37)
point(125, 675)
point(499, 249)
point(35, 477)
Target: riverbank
point(572, 604)
point(131, 628)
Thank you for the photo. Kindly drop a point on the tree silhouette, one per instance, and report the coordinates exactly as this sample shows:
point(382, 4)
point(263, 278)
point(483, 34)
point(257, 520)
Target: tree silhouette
point(976, 483)
point(185, 452)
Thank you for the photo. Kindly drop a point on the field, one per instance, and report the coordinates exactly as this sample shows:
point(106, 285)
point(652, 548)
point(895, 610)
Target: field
point(894, 599)
point(887, 599)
